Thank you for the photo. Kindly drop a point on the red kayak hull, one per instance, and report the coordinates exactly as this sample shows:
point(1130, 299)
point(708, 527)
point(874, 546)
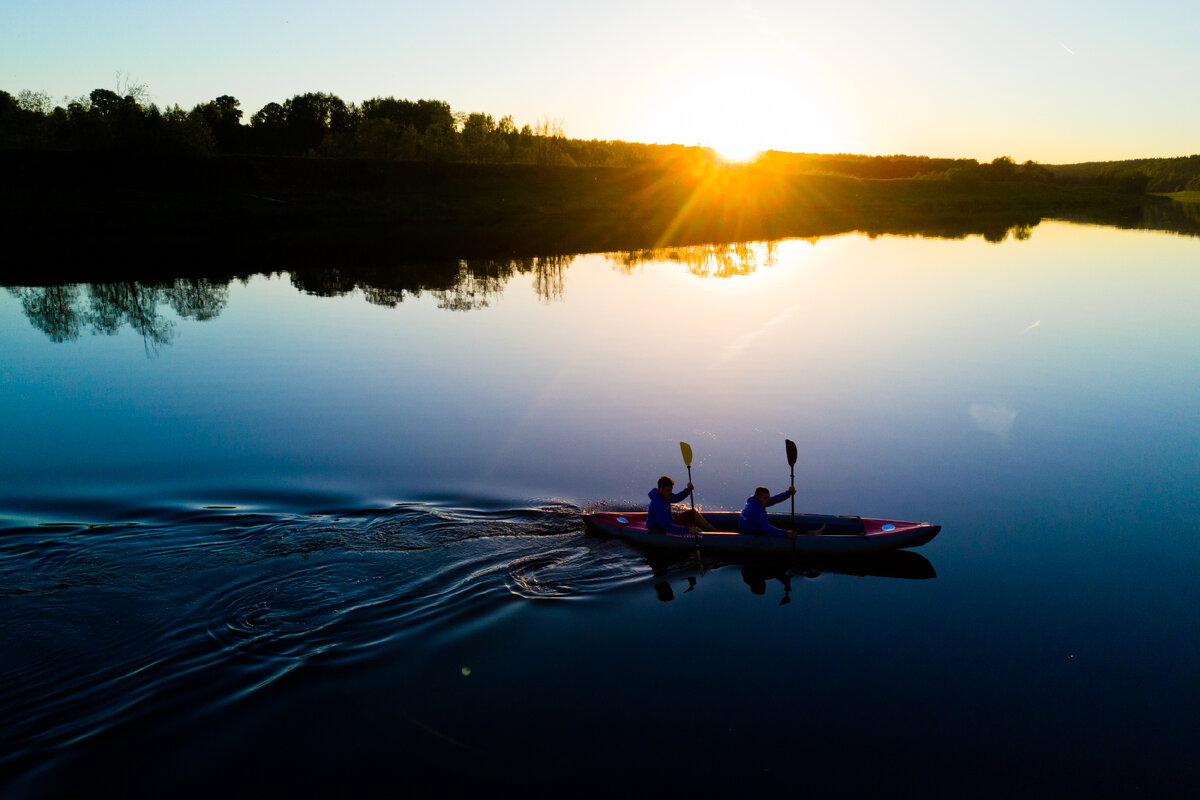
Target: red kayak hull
point(818, 534)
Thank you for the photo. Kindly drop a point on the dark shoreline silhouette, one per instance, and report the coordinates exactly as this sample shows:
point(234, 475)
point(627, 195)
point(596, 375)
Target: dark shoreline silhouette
point(164, 217)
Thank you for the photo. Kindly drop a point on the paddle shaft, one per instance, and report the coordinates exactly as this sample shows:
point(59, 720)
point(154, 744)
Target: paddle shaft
point(789, 447)
point(793, 483)
point(694, 517)
point(693, 491)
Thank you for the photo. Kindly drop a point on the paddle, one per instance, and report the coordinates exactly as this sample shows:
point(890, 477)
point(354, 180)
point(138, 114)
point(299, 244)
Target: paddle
point(686, 450)
point(790, 446)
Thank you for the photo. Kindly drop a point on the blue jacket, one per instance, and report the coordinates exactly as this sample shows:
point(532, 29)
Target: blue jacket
point(658, 515)
point(753, 519)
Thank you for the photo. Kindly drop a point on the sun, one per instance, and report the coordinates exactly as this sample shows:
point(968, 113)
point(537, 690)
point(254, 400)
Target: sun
point(737, 146)
point(741, 109)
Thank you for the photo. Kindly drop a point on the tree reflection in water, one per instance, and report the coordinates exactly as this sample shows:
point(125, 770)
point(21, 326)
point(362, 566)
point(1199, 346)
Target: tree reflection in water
point(483, 280)
point(53, 310)
point(63, 313)
point(705, 260)
point(456, 285)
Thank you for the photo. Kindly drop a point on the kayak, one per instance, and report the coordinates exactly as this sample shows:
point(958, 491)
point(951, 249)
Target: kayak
point(819, 534)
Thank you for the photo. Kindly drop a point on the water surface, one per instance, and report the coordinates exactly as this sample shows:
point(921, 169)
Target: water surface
point(261, 537)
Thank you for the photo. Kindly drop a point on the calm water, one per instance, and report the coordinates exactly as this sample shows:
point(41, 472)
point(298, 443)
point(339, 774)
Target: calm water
point(255, 539)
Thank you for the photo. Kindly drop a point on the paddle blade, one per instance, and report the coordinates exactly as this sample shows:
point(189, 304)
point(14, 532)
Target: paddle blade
point(791, 451)
point(686, 449)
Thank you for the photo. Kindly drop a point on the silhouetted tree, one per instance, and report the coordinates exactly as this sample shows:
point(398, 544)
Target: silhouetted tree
point(186, 133)
point(480, 139)
point(379, 139)
point(1033, 171)
point(311, 117)
point(420, 114)
point(1131, 181)
point(224, 118)
point(1002, 168)
point(441, 142)
point(12, 122)
point(548, 143)
point(104, 101)
point(268, 128)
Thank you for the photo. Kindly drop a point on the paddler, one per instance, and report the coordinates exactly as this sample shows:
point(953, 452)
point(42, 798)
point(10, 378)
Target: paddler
point(659, 518)
point(753, 519)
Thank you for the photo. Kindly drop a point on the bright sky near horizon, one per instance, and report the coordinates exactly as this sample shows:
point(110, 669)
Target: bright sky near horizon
point(1055, 81)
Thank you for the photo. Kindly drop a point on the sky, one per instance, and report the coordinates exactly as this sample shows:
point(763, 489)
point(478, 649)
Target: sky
point(1055, 81)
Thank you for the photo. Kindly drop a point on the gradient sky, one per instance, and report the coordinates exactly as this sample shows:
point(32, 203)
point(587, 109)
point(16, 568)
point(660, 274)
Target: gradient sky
point(1049, 80)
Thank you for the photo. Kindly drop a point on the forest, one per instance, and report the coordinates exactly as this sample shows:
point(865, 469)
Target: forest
point(319, 124)
point(314, 124)
point(1157, 175)
point(316, 178)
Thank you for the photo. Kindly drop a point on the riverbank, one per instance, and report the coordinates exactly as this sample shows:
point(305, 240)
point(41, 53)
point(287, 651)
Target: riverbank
point(277, 210)
point(1184, 197)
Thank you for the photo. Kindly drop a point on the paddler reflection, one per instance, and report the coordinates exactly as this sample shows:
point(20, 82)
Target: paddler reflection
point(758, 576)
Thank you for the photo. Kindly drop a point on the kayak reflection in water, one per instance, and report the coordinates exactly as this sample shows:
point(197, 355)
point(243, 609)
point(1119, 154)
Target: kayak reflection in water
point(756, 578)
point(659, 518)
point(753, 519)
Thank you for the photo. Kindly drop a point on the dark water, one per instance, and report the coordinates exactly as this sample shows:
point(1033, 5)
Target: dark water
point(255, 540)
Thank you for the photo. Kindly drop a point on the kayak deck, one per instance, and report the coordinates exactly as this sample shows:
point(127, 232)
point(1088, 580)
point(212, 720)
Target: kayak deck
point(818, 534)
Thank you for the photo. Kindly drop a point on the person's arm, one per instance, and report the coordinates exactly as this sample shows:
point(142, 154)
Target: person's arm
point(675, 498)
point(779, 498)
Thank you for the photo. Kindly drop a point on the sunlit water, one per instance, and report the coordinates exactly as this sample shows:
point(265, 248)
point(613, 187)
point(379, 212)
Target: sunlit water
point(263, 540)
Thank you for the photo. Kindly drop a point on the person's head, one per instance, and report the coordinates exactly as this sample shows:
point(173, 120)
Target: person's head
point(666, 485)
point(762, 494)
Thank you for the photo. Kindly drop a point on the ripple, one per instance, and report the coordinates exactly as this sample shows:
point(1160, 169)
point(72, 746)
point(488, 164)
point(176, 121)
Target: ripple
point(273, 617)
point(571, 572)
point(132, 612)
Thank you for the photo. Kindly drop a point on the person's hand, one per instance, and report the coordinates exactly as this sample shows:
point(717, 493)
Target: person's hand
point(690, 485)
point(791, 490)
point(793, 534)
point(693, 530)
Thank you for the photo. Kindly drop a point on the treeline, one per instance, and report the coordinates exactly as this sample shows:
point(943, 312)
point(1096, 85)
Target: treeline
point(317, 124)
point(897, 167)
point(314, 124)
point(1137, 175)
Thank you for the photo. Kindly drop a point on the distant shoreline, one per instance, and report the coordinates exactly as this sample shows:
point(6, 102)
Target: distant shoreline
point(278, 209)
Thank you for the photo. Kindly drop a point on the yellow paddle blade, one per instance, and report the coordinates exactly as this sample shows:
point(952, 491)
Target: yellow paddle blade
point(686, 449)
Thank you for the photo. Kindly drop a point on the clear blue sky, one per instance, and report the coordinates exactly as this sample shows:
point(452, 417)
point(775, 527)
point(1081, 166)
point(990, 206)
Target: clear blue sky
point(1050, 81)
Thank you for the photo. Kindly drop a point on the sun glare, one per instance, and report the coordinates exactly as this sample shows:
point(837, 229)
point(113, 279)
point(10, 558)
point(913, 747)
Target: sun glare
point(741, 109)
point(738, 148)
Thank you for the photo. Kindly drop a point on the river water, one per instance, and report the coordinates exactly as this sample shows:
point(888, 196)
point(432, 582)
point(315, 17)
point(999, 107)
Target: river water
point(308, 531)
